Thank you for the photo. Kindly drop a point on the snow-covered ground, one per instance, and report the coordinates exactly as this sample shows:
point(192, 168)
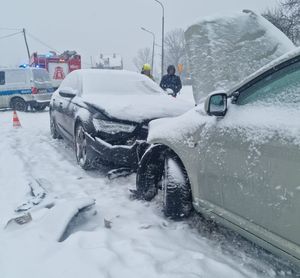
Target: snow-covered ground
point(126, 238)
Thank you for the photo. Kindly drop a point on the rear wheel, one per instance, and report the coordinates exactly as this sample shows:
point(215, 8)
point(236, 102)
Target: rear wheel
point(177, 195)
point(18, 104)
point(81, 148)
point(53, 128)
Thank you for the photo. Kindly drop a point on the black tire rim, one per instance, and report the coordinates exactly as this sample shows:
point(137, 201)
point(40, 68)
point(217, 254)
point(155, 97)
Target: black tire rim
point(81, 146)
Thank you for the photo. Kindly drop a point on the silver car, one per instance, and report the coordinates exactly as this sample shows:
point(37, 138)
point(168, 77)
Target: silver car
point(235, 158)
point(21, 88)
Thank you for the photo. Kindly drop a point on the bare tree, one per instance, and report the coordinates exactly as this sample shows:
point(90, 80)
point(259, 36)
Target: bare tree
point(144, 56)
point(175, 47)
point(176, 54)
point(286, 17)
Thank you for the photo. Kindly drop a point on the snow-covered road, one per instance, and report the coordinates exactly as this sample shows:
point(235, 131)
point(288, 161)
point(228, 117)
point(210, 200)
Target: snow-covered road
point(140, 242)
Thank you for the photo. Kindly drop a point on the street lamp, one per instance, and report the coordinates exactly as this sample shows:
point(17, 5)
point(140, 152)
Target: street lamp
point(153, 48)
point(163, 37)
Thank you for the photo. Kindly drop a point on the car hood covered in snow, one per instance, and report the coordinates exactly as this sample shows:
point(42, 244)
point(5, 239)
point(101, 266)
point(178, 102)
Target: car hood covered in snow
point(224, 50)
point(125, 95)
point(138, 108)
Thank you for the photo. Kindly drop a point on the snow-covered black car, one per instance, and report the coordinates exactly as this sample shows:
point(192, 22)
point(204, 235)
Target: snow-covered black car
point(106, 114)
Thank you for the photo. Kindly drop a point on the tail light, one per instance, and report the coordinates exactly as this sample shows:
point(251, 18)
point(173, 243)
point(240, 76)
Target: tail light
point(34, 90)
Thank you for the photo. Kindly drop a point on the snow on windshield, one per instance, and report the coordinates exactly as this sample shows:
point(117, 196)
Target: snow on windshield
point(117, 82)
point(224, 50)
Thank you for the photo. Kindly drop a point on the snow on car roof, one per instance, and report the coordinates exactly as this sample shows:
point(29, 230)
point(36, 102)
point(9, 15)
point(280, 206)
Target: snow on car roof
point(116, 82)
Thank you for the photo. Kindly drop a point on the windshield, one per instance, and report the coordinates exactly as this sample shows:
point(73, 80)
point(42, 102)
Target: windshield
point(122, 82)
point(40, 75)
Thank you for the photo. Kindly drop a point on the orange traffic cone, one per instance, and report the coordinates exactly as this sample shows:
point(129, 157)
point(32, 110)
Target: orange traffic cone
point(16, 121)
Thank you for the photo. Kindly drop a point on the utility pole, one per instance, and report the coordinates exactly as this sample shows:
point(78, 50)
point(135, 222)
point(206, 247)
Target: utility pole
point(26, 43)
point(163, 37)
point(153, 46)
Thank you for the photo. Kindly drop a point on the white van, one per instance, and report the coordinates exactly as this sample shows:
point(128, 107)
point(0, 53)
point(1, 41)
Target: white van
point(22, 88)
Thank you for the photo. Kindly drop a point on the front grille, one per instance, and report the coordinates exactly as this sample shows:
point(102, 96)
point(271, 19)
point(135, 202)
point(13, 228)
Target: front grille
point(143, 133)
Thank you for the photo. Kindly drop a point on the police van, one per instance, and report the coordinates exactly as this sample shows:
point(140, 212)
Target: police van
point(22, 88)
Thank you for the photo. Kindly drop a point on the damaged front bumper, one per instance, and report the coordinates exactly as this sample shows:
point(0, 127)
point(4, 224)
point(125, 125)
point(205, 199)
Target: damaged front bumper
point(116, 155)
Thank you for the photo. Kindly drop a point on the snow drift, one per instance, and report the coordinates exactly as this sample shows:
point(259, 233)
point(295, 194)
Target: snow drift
point(224, 50)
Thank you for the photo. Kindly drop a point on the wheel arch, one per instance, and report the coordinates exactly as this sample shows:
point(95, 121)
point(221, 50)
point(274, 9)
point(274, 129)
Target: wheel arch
point(155, 151)
point(155, 155)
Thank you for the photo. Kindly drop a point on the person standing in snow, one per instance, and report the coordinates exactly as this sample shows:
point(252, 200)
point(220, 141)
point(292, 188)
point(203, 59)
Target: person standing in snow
point(171, 82)
point(146, 70)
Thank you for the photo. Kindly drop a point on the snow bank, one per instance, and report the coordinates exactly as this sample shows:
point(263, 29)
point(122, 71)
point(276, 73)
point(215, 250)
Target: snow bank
point(224, 50)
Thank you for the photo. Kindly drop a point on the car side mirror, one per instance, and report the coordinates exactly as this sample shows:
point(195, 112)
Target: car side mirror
point(67, 92)
point(216, 104)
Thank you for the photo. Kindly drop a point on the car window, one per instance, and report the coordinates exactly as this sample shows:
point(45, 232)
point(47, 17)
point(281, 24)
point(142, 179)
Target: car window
point(2, 77)
point(281, 88)
point(15, 77)
point(72, 81)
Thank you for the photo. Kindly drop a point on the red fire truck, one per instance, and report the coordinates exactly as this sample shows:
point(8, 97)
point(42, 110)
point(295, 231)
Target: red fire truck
point(58, 65)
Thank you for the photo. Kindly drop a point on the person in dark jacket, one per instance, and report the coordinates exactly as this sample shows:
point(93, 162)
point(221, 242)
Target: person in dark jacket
point(171, 82)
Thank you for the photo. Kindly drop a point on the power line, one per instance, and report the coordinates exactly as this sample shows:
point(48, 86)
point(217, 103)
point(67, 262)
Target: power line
point(41, 42)
point(10, 29)
point(10, 35)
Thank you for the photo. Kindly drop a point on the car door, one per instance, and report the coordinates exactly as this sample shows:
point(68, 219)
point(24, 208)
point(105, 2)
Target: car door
point(3, 97)
point(70, 105)
point(259, 170)
point(64, 104)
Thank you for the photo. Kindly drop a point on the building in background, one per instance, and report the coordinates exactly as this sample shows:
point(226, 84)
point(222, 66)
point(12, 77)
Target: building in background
point(110, 61)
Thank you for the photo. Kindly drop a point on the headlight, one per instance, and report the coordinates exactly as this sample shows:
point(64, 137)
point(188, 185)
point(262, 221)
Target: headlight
point(112, 127)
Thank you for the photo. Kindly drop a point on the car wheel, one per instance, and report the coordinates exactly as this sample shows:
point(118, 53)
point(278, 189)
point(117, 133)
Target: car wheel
point(53, 128)
point(177, 195)
point(81, 148)
point(40, 107)
point(19, 104)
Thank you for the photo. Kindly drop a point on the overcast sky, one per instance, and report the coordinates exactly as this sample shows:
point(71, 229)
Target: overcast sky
point(92, 27)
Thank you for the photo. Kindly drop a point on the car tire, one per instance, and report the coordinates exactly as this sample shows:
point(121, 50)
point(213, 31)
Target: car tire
point(40, 107)
point(53, 128)
point(177, 195)
point(149, 175)
point(81, 148)
point(19, 104)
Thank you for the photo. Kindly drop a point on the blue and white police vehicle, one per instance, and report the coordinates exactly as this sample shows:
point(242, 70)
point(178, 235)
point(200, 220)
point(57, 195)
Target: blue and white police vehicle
point(21, 88)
